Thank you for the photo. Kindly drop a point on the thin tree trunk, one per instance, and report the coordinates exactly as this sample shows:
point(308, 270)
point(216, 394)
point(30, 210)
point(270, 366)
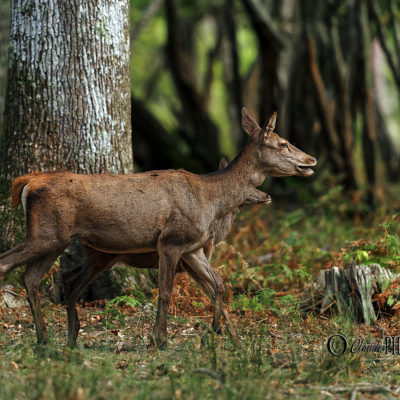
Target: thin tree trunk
point(232, 74)
point(270, 44)
point(196, 126)
point(367, 105)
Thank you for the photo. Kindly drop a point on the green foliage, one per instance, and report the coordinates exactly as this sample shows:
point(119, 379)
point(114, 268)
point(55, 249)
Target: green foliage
point(384, 249)
point(113, 314)
point(262, 300)
point(198, 304)
point(359, 256)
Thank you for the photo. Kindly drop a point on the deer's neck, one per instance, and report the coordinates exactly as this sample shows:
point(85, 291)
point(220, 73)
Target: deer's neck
point(234, 183)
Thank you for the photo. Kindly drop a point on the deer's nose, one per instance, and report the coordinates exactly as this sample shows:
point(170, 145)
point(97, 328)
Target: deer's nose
point(313, 160)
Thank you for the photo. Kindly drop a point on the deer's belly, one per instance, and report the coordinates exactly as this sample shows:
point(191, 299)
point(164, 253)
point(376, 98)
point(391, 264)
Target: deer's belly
point(120, 241)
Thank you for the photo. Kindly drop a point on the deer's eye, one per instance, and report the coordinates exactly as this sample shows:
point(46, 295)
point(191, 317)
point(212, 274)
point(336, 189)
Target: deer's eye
point(284, 145)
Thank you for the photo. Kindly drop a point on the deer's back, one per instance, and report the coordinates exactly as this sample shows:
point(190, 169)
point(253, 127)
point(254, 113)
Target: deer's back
point(120, 213)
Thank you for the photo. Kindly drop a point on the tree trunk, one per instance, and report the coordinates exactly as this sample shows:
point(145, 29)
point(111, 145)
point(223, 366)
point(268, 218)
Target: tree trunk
point(4, 29)
point(196, 126)
point(68, 97)
point(270, 44)
point(347, 291)
point(68, 93)
point(232, 75)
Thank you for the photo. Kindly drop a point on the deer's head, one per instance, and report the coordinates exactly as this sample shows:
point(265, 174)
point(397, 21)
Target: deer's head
point(276, 155)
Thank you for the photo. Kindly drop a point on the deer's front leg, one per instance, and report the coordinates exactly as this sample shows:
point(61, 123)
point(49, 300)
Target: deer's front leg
point(168, 259)
point(212, 284)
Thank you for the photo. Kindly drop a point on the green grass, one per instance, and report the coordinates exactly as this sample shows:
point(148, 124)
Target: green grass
point(276, 357)
point(268, 260)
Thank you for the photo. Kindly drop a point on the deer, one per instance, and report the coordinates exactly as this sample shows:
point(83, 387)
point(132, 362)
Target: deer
point(74, 284)
point(172, 212)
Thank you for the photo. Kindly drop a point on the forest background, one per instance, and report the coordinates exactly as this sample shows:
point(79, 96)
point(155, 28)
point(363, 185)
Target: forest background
point(331, 69)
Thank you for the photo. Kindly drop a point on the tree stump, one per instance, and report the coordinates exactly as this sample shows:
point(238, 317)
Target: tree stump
point(347, 291)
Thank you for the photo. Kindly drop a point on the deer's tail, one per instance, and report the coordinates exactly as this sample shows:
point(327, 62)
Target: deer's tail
point(18, 186)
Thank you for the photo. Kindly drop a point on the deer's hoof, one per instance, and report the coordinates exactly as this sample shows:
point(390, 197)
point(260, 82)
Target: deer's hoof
point(157, 343)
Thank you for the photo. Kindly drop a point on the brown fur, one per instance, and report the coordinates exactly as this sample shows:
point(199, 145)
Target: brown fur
point(172, 213)
point(17, 187)
point(76, 280)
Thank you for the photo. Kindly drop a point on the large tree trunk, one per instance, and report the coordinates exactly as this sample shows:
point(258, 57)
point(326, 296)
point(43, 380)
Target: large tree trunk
point(4, 29)
point(68, 94)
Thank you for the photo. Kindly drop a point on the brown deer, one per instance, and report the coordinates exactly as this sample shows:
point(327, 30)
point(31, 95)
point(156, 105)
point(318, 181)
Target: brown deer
point(171, 212)
point(97, 262)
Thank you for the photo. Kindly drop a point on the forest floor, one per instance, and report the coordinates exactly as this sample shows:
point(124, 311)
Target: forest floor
point(267, 262)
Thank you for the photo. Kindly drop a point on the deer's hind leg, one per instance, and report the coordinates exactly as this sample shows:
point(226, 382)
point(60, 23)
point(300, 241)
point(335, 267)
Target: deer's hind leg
point(38, 245)
point(209, 290)
point(77, 280)
point(26, 252)
point(32, 277)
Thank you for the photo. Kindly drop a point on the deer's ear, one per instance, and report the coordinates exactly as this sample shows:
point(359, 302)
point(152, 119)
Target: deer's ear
point(249, 125)
point(269, 126)
point(223, 163)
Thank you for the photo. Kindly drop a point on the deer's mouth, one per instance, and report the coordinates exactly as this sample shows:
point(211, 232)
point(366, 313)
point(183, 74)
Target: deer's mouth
point(305, 170)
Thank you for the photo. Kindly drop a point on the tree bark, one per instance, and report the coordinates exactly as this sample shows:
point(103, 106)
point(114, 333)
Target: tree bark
point(4, 29)
point(68, 93)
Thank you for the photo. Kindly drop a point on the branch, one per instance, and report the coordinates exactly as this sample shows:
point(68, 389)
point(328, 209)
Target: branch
point(325, 108)
point(342, 67)
point(394, 27)
point(148, 13)
point(363, 387)
point(388, 149)
point(263, 23)
point(379, 31)
point(211, 57)
point(180, 62)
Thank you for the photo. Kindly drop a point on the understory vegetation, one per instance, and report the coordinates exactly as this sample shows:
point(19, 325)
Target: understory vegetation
point(268, 260)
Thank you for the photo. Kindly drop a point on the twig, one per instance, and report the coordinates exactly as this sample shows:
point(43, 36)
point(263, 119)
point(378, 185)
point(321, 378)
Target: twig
point(10, 292)
point(327, 307)
point(360, 387)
